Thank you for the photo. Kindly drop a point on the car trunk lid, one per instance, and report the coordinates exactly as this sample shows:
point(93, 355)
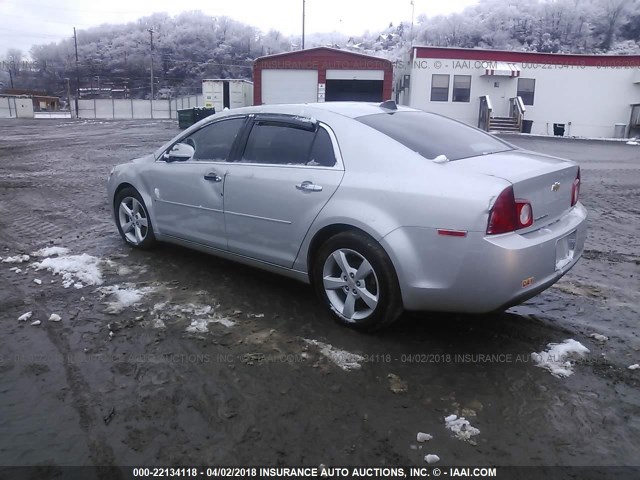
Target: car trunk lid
point(546, 182)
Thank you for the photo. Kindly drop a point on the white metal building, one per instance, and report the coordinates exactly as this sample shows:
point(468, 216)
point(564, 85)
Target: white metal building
point(16, 106)
point(583, 95)
point(227, 93)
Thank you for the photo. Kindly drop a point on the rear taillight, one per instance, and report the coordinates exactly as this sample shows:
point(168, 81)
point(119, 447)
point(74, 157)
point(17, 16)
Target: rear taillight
point(575, 189)
point(509, 214)
point(525, 213)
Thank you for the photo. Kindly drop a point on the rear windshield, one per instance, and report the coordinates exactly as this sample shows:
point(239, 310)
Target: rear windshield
point(431, 135)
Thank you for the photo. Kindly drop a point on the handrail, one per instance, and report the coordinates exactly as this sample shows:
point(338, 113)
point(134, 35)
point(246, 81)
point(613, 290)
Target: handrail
point(486, 112)
point(517, 109)
point(489, 106)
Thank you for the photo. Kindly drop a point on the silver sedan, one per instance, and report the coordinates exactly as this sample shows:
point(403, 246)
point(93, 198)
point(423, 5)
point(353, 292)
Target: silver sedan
point(381, 208)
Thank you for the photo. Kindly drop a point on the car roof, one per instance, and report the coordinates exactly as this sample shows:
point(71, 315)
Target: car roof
point(347, 109)
point(319, 111)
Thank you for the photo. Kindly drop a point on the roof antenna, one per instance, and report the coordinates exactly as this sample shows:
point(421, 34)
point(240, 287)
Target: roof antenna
point(389, 105)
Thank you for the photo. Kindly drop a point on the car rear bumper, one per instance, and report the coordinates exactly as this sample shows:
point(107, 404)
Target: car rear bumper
point(479, 273)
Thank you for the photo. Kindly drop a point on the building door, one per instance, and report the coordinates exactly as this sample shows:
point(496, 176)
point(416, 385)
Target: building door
point(499, 94)
point(355, 85)
point(289, 86)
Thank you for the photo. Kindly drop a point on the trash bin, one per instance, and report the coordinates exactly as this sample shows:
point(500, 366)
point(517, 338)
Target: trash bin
point(202, 112)
point(558, 129)
point(526, 126)
point(185, 118)
point(619, 130)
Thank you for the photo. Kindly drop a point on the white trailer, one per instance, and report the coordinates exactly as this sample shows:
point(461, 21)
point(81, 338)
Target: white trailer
point(227, 93)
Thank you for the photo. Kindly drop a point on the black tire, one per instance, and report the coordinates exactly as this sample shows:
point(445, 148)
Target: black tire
point(138, 235)
point(381, 284)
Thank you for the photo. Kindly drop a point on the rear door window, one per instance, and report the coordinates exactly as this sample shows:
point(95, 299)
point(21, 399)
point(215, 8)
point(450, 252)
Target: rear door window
point(432, 135)
point(322, 153)
point(279, 143)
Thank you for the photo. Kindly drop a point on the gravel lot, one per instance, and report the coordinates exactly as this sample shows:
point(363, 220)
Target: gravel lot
point(139, 387)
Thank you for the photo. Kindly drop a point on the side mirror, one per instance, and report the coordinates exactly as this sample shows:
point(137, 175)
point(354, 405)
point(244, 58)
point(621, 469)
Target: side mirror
point(180, 152)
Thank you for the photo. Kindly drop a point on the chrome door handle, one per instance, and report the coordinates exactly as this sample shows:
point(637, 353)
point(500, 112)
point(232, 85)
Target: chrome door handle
point(213, 177)
point(309, 187)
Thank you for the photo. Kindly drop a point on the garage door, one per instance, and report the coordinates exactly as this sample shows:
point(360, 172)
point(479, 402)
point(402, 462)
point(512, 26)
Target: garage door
point(289, 86)
point(354, 85)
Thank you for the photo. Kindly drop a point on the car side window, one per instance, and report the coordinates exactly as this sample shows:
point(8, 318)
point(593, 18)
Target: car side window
point(278, 143)
point(322, 153)
point(214, 142)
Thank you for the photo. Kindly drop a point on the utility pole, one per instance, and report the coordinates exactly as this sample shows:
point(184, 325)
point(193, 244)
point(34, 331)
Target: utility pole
point(150, 30)
point(68, 94)
point(11, 77)
point(303, 13)
point(75, 42)
point(413, 8)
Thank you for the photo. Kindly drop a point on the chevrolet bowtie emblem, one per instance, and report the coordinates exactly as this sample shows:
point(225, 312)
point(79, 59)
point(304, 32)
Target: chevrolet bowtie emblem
point(555, 187)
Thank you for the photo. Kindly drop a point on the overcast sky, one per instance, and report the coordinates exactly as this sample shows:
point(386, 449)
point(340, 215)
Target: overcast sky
point(29, 22)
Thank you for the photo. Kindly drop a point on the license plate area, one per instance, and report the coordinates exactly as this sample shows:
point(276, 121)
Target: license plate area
point(565, 250)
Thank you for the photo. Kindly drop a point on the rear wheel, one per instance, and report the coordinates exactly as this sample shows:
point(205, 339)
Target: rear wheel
point(132, 219)
point(354, 276)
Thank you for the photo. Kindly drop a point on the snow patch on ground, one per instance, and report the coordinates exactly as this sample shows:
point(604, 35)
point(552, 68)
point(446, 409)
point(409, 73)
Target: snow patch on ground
point(200, 317)
point(599, 337)
point(431, 458)
point(25, 316)
point(198, 325)
point(16, 259)
point(223, 321)
point(158, 323)
point(197, 310)
point(123, 296)
point(461, 428)
point(54, 317)
point(635, 366)
point(50, 252)
point(73, 268)
point(558, 358)
point(345, 360)
point(201, 325)
point(423, 437)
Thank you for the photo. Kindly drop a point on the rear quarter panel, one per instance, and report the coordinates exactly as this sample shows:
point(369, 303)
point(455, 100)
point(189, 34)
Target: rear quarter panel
point(387, 186)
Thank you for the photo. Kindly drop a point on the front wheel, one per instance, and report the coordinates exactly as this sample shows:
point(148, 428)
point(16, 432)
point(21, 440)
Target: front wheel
point(354, 276)
point(132, 219)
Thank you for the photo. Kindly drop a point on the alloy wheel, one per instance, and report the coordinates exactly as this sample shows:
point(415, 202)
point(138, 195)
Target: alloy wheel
point(351, 284)
point(133, 220)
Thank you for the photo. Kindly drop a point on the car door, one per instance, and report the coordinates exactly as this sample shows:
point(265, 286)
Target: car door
point(187, 184)
point(288, 170)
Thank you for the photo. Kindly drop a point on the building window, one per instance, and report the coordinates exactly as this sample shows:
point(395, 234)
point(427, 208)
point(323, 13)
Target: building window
point(461, 88)
point(439, 88)
point(526, 89)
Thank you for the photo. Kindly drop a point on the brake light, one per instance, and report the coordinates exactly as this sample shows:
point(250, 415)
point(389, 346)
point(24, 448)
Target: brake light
point(575, 189)
point(509, 214)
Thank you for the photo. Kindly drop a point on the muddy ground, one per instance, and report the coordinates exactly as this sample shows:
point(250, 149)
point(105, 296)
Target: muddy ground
point(256, 392)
